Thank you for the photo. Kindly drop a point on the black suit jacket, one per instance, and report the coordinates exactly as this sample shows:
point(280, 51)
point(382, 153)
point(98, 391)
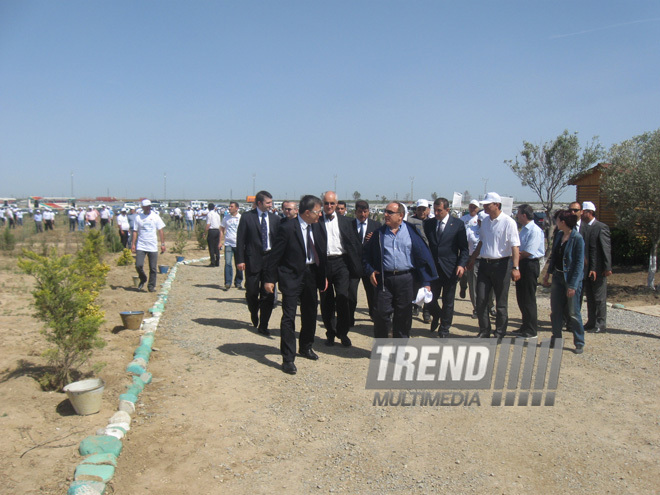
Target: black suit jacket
point(372, 225)
point(287, 262)
point(248, 239)
point(597, 248)
point(450, 249)
point(349, 241)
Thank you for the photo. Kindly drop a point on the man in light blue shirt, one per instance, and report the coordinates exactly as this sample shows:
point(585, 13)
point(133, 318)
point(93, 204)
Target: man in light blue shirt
point(532, 249)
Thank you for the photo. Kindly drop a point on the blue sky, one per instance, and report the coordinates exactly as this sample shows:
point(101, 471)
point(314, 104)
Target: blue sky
point(298, 92)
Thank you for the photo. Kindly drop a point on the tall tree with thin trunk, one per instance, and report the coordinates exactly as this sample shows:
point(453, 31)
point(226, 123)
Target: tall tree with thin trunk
point(632, 186)
point(546, 168)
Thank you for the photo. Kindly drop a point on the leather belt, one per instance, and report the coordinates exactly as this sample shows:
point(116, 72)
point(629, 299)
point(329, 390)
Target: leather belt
point(494, 260)
point(335, 256)
point(398, 272)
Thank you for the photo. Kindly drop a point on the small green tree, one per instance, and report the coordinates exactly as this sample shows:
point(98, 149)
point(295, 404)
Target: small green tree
point(180, 241)
point(7, 240)
point(356, 195)
point(631, 185)
point(64, 297)
point(547, 168)
point(126, 258)
point(112, 240)
point(200, 234)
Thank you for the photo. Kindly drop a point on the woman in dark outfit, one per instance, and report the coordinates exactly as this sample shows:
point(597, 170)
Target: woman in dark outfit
point(567, 268)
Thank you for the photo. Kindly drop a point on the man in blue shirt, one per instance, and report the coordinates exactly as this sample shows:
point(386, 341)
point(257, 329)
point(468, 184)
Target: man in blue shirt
point(398, 263)
point(532, 249)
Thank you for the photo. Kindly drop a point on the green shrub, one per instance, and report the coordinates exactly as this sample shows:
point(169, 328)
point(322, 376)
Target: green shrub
point(112, 239)
point(180, 241)
point(628, 249)
point(7, 240)
point(201, 235)
point(126, 258)
point(64, 299)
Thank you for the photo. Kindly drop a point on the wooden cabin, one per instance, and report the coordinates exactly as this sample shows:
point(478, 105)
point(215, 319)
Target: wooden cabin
point(588, 189)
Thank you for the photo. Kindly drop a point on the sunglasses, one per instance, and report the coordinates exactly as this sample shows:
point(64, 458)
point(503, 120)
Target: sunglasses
point(390, 212)
point(328, 204)
point(575, 210)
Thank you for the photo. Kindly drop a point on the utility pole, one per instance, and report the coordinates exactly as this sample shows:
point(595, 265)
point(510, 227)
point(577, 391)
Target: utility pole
point(164, 186)
point(412, 182)
point(485, 181)
point(254, 177)
point(335, 189)
point(72, 185)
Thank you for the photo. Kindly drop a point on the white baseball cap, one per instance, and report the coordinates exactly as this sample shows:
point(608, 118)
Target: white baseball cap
point(475, 202)
point(146, 202)
point(491, 197)
point(588, 205)
point(422, 202)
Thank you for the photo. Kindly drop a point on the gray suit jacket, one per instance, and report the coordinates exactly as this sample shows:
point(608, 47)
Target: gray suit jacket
point(597, 247)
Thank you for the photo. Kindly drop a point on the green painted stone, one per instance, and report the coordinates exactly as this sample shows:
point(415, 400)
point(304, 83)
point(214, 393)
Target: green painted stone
point(104, 458)
point(141, 355)
point(91, 472)
point(129, 397)
point(143, 348)
point(147, 340)
point(135, 369)
point(146, 377)
point(99, 444)
point(86, 488)
point(134, 390)
point(138, 383)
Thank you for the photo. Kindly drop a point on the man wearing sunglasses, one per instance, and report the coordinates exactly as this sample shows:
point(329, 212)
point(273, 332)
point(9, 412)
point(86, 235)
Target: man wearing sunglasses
point(398, 263)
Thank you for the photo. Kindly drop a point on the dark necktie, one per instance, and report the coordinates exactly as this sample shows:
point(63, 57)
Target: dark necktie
point(264, 232)
point(329, 218)
point(311, 249)
point(361, 231)
point(441, 228)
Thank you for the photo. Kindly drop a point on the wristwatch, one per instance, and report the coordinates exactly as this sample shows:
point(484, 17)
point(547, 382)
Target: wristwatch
point(516, 268)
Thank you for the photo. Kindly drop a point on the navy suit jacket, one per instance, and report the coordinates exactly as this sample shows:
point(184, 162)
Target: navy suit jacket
point(287, 262)
point(450, 249)
point(248, 239)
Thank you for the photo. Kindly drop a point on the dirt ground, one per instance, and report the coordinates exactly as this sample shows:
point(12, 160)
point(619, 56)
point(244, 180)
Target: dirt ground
point(221, 417)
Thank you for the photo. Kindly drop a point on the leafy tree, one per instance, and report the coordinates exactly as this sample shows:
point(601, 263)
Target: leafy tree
point(434, 196)
point(546, 168)
point(631, 185)
point(64, 297)
point(356, 195)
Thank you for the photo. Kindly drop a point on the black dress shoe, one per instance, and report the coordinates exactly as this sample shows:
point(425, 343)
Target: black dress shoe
point(330, 341)
point(308, 354)
point(599, 330)
point(264, 331)
point(462, 294)
point(346, 342)
point(141, 286)
point(434, 324)
point(443, 335)
point(483, 335)
point(255, 321)
point(152, 289)
point(289, 368)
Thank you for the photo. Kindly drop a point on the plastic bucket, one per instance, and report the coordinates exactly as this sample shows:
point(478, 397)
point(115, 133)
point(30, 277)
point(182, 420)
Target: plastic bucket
point(163, 268)
point(85, 395)
point(131, 319)
point(179, 259)
point(136, 280)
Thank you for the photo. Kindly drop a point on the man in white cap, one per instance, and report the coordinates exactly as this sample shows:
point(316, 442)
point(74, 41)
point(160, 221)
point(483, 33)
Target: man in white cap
point(145, 243)
point(470, 219)
point(498, 247)
point(597, 267)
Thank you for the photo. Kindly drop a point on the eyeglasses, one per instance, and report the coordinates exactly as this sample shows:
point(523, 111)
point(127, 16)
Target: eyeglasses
point(327, 203)
point(390, 212)
point(316, 212)
point(288, 209)
point(575, 210)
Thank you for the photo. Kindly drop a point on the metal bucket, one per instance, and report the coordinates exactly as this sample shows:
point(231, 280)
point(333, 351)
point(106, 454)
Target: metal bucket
point(132, 319)
point(179, 259)
point(136, 280)
point(163, 268)
point(85, 395)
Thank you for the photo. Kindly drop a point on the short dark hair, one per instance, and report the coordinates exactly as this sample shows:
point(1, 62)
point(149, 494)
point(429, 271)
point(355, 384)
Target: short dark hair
point(568, 218)
point(526, 210)
point(234, 203)
point(361, 204)
point(211, 206)
point(342, 202)
point(262, 195)
point(442, 201)
point(308, 202)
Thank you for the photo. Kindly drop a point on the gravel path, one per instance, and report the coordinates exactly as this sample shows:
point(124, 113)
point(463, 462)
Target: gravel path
point(221, 417)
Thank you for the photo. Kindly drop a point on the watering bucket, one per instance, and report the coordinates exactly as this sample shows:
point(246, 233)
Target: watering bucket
point(136, 280)
point(163, 268)
point(85, 395)
point(180, 259)
point(131, 319)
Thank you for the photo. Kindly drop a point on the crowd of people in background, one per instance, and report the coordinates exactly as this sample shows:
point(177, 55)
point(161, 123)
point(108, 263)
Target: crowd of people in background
point(412, 262)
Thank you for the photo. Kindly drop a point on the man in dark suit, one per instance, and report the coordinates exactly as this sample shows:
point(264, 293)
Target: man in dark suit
point(449, 247)
point(598, 266)
point(297, 263)
point(364, 226)
point(254, 240)
point(398, 263)
point(343, 251)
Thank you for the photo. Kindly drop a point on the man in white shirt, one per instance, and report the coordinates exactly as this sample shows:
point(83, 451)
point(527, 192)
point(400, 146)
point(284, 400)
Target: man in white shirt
point(190, 218)
point(145, 243)
point(470, 220)
point(73, 219)
point(124, 227)
point(498, 246)
point(213, 222)
point(81, 219)
point(228, 230)
point(38, 221)
point(105, 216)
